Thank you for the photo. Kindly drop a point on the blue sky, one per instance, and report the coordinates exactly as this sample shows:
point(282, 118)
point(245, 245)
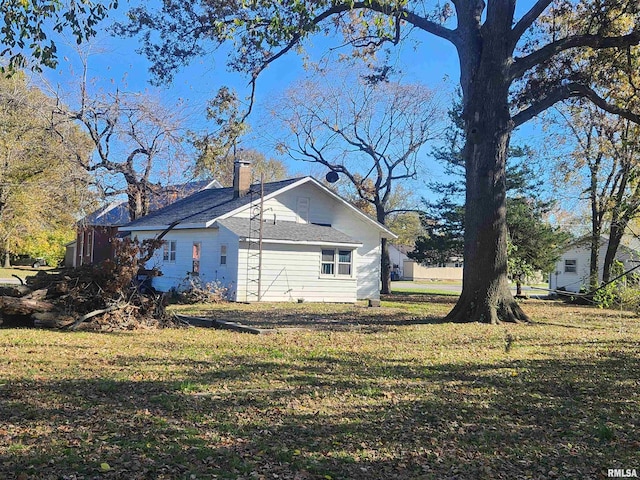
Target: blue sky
point(115, 64)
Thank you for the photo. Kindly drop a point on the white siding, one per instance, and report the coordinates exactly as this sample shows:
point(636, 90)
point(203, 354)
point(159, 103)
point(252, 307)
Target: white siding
point(396, 257)
point(227, 274)
point(573, 282)
point(290, 273)
point(326, 210)
point(275, 209)
point(174, 273)
point(331, 211)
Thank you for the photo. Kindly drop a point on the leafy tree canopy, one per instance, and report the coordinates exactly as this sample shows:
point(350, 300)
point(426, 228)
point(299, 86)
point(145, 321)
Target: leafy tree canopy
point(29, 25)
point(40, 187)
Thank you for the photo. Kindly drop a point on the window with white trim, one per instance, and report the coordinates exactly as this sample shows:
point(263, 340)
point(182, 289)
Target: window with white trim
point(328, 262)
point(344, 262)
point(570, 266)
point(223, 254)
point(169, 251)
point(336, 263)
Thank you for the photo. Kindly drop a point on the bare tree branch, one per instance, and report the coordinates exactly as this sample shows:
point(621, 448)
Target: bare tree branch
point(565, 92)
point(527, 20)
point(521, 65)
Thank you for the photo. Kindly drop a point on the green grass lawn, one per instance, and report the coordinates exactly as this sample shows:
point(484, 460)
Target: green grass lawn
point(426, 290)
point(390, 393)
point(22, 272)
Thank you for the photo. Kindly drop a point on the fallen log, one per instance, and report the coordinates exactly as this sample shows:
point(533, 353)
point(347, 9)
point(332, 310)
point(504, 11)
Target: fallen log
point(23, 306)
point(95, 313)
point(14, 290)
point(51, 320)
point(40, 294)
point(223, 325)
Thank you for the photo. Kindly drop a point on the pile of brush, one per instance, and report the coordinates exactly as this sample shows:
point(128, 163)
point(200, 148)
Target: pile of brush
point(107, 296)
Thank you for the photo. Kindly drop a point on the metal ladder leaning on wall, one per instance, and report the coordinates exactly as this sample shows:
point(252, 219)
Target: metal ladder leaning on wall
point(253, 289)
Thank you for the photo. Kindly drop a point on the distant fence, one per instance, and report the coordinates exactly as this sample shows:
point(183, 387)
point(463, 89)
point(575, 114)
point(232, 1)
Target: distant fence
point(415, 271)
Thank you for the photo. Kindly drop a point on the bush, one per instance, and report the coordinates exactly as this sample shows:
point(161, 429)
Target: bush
point(607, 296)
point(630, 299)
point(193, 290)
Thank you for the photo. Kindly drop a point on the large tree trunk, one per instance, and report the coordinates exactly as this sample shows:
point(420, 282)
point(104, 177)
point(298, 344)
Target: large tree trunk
point(138, 198)
point(519, 286)
point(486, 296)
point(594, 267)
point(385, 270)
point(615, 237)
point(7, 255)
point(385, 261)
point(135, 202)
point(596, 230)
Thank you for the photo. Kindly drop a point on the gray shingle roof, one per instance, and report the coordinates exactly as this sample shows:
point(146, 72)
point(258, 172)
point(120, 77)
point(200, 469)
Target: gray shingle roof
point(204, 206)
point(117, 214)
point(288, 231)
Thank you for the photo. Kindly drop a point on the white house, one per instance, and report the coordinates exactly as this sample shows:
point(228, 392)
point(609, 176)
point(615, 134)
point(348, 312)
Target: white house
point(572, 269)
point(397, 257)
point(404, 268)
point(293, 240)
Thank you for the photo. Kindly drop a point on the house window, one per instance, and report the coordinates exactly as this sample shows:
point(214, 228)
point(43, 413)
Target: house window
point(570, 266)
point(328, 262)
point(197, 247)
point(344, 262)
point(169, 251)
point(337, 262)
point(223, 254)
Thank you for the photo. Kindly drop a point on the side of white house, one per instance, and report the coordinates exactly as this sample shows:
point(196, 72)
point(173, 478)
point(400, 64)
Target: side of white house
point(292, 273)
point(572, 269)
point(397, 259)
point(177, 259)
point(307, 203)
point(315, 246)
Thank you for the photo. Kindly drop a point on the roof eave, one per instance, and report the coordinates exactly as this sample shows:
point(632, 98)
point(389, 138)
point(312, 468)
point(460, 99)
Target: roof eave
point(304, 242)
point(181, 226)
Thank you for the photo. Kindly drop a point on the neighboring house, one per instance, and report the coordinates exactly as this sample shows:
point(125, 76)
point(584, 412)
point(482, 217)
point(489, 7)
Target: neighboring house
point(572, 269)
point(96, 232)
point(311, 245)
point(397, 257)
point(452, 270)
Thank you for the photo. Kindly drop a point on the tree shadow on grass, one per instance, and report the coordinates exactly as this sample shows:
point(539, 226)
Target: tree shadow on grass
point(324, 417)
point(362, 319)
point(421, 297)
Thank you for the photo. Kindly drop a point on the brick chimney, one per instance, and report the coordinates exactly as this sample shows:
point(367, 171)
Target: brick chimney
point(241, 178)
